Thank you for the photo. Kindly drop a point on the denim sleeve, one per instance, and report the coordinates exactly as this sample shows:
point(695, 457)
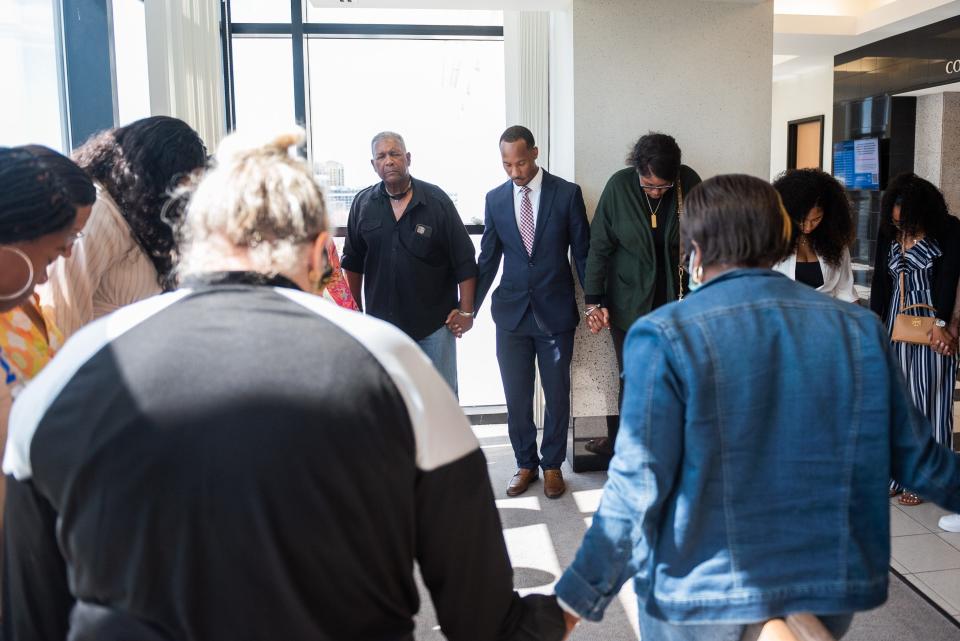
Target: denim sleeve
point(916, 459)
point(642, 473)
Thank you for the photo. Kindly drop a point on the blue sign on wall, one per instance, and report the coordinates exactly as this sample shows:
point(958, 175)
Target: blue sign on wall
point(843, 163)
point(856, 163)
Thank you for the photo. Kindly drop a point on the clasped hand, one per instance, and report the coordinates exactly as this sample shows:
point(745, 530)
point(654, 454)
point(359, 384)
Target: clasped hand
point(598, 320)
point(943, 341)
point(457, 323)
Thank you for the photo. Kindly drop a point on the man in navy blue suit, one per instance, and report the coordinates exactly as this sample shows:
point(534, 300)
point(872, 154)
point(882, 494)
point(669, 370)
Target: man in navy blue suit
point(533, 220)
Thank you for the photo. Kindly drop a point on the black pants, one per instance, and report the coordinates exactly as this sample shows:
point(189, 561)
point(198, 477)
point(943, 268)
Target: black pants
point(613, 422)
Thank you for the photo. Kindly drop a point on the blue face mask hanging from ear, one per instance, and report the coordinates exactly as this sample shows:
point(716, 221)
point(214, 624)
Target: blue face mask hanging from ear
point(693, 284)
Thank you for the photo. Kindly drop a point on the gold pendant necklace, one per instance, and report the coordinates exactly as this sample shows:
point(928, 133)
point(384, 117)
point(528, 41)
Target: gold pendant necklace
point(653, 212)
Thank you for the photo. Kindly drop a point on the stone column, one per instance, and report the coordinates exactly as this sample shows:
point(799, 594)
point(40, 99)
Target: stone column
point(937, 151)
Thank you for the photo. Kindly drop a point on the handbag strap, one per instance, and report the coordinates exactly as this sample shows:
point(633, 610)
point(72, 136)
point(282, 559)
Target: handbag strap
point(903, 308)
point(903, 268)
point(680, 267)
point(919, 306)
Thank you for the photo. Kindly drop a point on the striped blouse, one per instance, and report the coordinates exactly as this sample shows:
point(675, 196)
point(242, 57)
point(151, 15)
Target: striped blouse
point(106, 270)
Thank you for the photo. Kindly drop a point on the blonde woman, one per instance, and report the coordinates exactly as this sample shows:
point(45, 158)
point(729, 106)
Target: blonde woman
point(264, 464)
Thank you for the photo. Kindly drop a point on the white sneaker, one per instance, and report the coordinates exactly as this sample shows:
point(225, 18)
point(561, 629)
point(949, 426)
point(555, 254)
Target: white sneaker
point(950, 523)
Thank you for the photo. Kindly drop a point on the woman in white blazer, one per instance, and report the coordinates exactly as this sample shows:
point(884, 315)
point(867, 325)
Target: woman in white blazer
point(823, 232)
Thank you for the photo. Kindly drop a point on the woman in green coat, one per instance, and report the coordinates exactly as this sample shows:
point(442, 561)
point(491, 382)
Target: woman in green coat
point(634, 262)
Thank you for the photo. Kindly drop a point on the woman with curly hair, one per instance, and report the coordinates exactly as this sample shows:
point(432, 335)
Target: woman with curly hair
point(127, 250)
point(822, 232)
point(918, 250)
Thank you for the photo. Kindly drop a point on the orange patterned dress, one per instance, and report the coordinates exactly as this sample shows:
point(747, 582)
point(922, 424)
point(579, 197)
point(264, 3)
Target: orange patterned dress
point(25, 349)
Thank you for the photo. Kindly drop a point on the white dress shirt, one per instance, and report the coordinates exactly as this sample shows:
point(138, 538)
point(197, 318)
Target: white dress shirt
point(106, 270)
point(837, 281)
point(535, 185)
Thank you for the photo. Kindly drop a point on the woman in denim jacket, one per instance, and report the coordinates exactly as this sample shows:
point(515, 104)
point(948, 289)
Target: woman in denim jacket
point(751, 467)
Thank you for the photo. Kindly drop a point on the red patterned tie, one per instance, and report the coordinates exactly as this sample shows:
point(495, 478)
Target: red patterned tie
point(527, 229)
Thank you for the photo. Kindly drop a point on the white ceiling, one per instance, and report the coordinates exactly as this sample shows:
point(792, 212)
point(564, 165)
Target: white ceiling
point(807, 33)
point(813, 31)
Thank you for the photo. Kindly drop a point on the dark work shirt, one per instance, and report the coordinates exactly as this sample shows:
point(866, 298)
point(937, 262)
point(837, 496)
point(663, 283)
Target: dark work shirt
point(411, 267)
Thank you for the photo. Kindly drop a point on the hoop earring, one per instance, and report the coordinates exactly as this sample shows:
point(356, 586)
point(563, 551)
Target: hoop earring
point(26, 288)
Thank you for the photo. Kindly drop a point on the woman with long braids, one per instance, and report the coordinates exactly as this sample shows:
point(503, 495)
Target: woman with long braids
point(29, 336)
point(127, 250)
point(36, 226)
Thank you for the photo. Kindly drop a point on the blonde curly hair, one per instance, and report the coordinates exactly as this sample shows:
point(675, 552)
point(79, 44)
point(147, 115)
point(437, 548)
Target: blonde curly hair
point(258, 197)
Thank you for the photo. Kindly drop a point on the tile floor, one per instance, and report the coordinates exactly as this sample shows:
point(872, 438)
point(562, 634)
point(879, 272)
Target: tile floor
point(926, 555)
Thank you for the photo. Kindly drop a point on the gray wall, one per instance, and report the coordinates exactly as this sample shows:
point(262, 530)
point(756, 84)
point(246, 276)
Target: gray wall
point(700, 71)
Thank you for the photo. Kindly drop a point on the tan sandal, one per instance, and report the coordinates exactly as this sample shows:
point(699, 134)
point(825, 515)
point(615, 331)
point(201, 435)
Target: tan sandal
point(910, 499)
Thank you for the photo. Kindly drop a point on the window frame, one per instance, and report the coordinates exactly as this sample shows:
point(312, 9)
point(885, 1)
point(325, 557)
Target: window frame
point(299, 31)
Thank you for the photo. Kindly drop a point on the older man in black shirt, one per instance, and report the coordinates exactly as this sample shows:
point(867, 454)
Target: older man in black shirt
point(408, 250)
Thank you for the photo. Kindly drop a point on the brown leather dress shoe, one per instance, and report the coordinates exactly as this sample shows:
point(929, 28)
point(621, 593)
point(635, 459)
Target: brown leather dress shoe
point(553, 485)
point(521, 481)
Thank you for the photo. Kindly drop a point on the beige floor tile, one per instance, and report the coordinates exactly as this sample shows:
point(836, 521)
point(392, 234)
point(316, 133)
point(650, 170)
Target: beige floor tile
point(927, 514)
point(899, 568)
point(924, 553)
point(946, 584)
point(903, 525)
point(953, 538)
point(931, 593)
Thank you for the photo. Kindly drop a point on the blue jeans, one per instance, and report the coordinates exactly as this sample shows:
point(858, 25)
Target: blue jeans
point(441, 348)
point(652, 628)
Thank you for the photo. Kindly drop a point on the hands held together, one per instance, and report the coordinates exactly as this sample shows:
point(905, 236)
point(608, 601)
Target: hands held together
point(459, 322)
point(943, 341)
point(598, 318)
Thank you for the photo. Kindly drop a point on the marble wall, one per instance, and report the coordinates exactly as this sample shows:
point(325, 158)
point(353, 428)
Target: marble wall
point(937, 150)
point(950, 163)
point(929, 137)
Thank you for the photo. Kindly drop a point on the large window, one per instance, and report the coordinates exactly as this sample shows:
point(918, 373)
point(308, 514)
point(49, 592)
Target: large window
point(263, 92)
point(434, 76)
point(130, 60)
point(30, 108)
point(444, 96)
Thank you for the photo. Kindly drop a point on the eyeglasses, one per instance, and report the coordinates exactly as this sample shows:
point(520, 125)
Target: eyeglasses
point(655, 187)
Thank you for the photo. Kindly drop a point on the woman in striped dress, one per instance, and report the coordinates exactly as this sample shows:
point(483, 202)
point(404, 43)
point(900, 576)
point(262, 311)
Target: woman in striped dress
point(920, 242)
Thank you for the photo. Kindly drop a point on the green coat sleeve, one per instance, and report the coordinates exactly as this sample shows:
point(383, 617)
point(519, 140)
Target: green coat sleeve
point(603, 242)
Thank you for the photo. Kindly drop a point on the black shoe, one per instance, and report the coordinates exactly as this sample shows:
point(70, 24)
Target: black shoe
point(601, 446)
